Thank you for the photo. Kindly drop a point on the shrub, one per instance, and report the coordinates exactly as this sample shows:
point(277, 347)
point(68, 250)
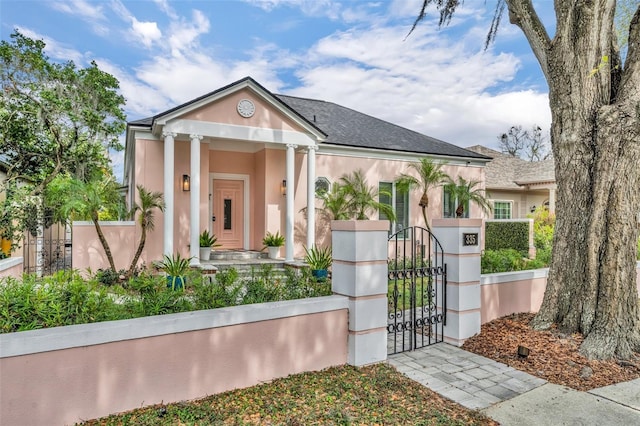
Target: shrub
point(507, 235)
point(62, 299)
point(504, 260)
point(65, 298)
point(543, 228)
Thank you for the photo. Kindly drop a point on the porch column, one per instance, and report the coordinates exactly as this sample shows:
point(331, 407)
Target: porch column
point(311, 196)
point(169, 183)
point(552, 200)
point(288, 244)
point(194, 219)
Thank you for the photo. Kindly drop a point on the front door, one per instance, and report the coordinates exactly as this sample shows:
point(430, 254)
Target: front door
point(228, 209)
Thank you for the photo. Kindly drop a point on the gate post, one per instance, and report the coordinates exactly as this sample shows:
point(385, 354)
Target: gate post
point(359, 271)
point(460, 240)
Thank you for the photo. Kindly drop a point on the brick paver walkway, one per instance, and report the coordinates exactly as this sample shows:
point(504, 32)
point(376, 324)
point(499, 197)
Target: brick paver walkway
point(471, 380)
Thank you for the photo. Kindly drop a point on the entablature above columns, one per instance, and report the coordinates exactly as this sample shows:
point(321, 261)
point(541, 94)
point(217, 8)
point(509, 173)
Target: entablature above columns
point(244, 133)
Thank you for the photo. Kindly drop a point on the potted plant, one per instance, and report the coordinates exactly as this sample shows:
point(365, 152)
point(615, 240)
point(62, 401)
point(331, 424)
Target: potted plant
point(207, 242)
point(175, 267)
point(273, 242)
point(319, 260)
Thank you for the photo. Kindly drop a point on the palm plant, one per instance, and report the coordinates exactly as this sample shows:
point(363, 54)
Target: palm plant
point(79, 200)
point(430, 175)
point(362, 198)
point(149, 201)
point(334, 202)
point(464, 192)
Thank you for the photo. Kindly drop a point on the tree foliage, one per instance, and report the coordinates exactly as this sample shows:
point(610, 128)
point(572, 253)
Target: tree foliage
point(55, 118)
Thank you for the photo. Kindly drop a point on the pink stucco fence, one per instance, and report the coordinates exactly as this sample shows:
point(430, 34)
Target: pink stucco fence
point(65, 374)
point(11, 267)
point(511, 292)
point(122, 236)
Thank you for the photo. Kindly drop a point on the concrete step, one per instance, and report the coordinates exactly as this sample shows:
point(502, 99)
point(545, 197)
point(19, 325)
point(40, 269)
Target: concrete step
point(237, 255)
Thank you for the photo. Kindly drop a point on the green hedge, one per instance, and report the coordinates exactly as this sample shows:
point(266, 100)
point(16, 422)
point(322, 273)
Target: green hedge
point(507, 235)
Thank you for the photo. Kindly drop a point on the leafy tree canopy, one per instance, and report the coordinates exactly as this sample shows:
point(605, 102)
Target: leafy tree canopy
point(56, 119)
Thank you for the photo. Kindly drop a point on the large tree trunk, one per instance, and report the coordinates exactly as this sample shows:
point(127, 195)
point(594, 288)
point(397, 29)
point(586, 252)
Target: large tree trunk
point(596, 144)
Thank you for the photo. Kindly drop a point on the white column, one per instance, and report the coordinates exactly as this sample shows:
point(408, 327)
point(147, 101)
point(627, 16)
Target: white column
point(288, 244)
point(169, 184)
point(194, 217)
point(311, 196)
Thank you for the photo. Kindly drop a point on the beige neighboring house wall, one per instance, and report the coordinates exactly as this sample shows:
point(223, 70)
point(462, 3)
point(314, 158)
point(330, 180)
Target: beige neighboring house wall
point(526, 185)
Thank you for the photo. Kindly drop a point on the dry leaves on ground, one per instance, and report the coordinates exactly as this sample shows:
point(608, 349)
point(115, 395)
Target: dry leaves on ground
point(553, 355)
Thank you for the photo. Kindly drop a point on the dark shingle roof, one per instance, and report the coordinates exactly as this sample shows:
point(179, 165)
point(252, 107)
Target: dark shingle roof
point(508, 172)
point(346, 127)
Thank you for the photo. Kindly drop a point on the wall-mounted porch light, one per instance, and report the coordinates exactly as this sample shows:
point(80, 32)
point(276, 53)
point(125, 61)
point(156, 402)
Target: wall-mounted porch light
point(283, 187)
point(186, 183)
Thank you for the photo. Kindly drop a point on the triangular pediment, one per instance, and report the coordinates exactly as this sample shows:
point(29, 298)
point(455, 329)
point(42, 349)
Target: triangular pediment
point(244, 103)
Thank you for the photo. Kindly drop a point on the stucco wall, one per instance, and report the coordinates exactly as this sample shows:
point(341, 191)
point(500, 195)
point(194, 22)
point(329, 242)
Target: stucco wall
point(122, 237)
point(11, 267)
point(522, 201)
point(511, 292)
point(66, 374)
point(376, 170)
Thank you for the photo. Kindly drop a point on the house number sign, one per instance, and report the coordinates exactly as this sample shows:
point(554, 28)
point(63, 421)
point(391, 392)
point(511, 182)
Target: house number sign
point(469, 239)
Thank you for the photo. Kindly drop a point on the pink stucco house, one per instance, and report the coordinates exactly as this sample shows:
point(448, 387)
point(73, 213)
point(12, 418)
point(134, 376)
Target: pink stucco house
point(241, 161)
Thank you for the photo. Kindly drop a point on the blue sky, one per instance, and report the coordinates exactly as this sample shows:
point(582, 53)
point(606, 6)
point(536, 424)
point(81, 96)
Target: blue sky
point(439, 82)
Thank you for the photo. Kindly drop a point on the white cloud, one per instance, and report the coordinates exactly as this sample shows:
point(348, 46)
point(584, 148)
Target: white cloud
point(428, 83)
point(80, 8)
point(183, 34)
point(92, 13)
point(147, 32)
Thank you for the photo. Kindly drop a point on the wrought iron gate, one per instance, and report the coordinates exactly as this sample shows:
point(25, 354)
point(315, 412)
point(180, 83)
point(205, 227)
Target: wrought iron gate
point(417, 290)
point(47, 250)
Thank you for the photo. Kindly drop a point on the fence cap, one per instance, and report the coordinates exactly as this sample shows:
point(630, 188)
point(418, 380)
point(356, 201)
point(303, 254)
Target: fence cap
point(360, 225)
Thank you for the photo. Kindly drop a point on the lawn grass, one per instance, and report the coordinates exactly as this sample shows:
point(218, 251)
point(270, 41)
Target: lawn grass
point(342, 395)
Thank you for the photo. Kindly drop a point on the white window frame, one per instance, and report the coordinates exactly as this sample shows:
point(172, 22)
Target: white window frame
point(394, 228)
point(509, 202)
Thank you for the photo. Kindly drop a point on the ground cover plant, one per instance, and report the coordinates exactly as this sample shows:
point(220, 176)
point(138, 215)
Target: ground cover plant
point(65, 298)
point(343, 395)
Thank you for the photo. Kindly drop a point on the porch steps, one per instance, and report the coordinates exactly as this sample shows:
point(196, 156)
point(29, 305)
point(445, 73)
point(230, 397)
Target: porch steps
point(236, 255)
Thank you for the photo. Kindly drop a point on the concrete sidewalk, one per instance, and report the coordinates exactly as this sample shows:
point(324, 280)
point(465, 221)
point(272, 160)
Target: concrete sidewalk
point(512, 397)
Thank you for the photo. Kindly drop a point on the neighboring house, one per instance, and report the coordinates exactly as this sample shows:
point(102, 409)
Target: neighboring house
point(517, 187)
point(241, 161)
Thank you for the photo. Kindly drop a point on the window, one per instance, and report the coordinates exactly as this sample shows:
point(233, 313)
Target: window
point(399, 201)
point(502, 209)
point(450, 204)
point(322, 185)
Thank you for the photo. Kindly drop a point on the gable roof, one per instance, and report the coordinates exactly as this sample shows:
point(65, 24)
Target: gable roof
point(347, 127)
point(508, 172)
point(342, 126)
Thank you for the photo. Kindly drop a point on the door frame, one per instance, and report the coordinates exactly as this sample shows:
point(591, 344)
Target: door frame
point(245, 213)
